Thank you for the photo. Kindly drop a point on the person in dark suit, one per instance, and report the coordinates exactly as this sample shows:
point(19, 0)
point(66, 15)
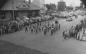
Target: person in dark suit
point(26, 29)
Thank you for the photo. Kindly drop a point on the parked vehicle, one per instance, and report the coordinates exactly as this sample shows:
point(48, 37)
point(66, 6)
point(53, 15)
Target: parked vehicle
point(69, 19)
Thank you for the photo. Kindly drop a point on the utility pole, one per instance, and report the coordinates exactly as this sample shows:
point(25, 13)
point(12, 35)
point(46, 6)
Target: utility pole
point(13, 13)
point(29, 1)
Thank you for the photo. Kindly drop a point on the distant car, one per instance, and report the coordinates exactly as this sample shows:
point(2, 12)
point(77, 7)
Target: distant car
point(69, 19)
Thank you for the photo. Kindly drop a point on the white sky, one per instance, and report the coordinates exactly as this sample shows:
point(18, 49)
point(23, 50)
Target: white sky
point(68, 2)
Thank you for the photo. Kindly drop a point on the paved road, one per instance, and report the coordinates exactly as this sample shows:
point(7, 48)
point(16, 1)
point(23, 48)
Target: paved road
point(9, 48)
point(51, 44)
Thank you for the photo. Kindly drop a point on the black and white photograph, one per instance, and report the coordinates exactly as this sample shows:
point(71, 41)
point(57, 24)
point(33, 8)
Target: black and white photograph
point(42, 26)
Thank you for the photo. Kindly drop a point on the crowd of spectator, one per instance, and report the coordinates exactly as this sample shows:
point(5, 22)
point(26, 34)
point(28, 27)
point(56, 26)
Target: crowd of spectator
point(74, 31)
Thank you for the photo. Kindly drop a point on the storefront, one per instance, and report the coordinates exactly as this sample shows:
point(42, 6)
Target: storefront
point(28, 13)
point(6, 15)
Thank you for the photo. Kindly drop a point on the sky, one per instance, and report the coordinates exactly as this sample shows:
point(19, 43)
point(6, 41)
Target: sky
point(68, 2)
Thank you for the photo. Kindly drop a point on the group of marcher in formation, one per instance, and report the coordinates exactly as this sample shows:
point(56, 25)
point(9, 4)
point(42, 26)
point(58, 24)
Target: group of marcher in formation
point(44, 27)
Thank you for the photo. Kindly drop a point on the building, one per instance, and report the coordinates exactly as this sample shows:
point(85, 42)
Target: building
point(20, 8)
point(61, 5)
point(5, 15)
point(13, 4)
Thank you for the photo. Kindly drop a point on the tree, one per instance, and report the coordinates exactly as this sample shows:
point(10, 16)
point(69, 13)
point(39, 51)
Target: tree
point(53, 6)
point(84, 2)
point(50, 6)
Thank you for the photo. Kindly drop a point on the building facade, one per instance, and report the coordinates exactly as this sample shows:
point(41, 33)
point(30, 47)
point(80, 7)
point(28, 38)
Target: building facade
point(61, 6)
point(20, 8)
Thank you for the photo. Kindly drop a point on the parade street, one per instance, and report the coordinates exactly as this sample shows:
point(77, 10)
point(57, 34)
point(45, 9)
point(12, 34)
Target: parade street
point(42, 26)
point(51, 44)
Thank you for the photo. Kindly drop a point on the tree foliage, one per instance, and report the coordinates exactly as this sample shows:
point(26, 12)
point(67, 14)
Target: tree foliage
point(50, 6)
point(84, 2)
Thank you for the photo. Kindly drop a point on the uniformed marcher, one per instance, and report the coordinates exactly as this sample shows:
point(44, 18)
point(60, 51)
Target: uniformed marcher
point(26, 29)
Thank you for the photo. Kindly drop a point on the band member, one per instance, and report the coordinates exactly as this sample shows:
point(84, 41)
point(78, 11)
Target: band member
point(26, 29)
